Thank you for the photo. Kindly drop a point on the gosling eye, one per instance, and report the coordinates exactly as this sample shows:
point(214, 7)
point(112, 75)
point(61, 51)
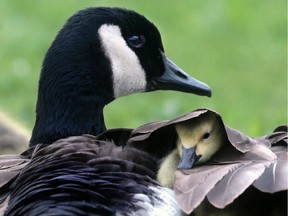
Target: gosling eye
point(206, 135)
point(136, 41)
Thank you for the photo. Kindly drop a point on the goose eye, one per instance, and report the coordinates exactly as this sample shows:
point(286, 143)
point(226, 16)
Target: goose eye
point(136, 41)
point(206, 136)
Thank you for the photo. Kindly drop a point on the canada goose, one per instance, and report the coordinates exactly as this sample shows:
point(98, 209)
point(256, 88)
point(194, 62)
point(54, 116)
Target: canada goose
point(238, 176)
point(99, 55)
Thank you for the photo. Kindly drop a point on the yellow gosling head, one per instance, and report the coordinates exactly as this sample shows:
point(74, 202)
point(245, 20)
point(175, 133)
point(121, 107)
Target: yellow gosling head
point(199, 139)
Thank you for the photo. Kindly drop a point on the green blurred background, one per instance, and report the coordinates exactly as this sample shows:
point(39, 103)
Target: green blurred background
point(237, 47)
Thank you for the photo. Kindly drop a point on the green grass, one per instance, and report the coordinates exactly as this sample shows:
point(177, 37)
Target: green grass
point(237, 47)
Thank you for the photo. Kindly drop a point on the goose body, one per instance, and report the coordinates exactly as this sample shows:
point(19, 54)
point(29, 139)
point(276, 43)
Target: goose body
point(99, 55)
point(217, 170)
point(83, 176)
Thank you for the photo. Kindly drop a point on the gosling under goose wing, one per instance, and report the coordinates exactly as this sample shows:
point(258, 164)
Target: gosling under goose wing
point(223, 177)
point(259, 162)
point(254, 158)
point(159, 138)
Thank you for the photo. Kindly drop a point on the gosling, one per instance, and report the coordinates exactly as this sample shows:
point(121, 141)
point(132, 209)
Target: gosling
point(198, 140)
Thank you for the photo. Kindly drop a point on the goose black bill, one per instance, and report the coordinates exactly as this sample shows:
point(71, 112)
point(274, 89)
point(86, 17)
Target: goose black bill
point(174, 78)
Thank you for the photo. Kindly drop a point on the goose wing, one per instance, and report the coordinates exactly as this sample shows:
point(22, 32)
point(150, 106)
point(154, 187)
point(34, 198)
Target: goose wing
point(10, 167)
point(159, 138)
point(274, 177)
point(261, 162)
point(243, 162)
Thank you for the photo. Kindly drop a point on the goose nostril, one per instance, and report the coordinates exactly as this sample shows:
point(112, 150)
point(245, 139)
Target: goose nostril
point(180, 74)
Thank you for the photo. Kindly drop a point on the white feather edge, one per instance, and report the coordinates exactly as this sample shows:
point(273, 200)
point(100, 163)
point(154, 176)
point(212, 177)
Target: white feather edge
point(163, 203)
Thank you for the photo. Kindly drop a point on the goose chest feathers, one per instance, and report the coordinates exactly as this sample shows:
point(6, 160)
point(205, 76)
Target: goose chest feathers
point(95, 178)
point(99, 55)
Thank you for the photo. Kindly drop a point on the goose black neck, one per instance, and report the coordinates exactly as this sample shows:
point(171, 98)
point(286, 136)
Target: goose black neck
point(67, 109)
point(74, 86)
point(67, 120)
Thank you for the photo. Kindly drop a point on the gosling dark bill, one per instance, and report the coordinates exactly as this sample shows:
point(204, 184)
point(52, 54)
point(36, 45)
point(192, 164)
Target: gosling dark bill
point(189, 158)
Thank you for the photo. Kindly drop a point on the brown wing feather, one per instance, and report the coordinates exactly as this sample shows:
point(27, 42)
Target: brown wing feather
point(232, 173)
point(193, 185)
point(10, 167)
point(274, 178)
point(235, 183)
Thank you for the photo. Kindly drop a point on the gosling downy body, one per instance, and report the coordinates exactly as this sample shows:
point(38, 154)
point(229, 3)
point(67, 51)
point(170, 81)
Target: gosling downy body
point(99, 55)
point(240, 175)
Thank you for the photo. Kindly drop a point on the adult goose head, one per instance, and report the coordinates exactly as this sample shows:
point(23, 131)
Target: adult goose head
point(217, 170)
point(99, 55)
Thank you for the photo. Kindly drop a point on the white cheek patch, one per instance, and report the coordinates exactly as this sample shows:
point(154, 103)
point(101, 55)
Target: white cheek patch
point(128, 74)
